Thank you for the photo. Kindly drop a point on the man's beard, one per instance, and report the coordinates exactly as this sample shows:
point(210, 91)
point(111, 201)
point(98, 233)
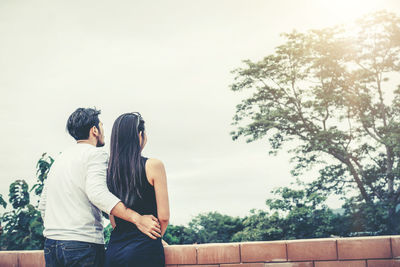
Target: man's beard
point(99, 144)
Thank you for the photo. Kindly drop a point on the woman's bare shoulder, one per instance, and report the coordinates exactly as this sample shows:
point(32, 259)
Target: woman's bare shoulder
point(154, 169)
point(154, 164)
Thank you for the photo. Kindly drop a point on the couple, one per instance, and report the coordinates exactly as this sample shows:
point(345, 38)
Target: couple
point(83, 182)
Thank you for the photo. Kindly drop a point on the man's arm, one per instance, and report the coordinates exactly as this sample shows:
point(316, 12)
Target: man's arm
point(98, 193)
point(147, 224)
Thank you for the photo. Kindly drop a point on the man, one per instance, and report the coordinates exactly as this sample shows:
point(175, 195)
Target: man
point(76, 192)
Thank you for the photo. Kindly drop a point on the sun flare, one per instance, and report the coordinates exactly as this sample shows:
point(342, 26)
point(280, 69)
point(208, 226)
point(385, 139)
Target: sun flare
point(345, 11)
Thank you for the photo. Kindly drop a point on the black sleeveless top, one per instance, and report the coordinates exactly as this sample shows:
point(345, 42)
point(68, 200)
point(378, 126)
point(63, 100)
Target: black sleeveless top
point(128, 246)
point(144, 206)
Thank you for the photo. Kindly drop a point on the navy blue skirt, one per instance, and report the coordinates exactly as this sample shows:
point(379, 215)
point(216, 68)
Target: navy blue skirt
point(133, 249)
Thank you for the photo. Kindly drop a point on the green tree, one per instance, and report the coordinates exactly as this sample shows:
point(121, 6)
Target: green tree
point(326, 92)
point(292, 214)
point(260, 225)
point(307, 215)
point(107, 233)
point(42, 170)
point(177, 234)
point(23, 226)
point(2, 201)
point(213, 227)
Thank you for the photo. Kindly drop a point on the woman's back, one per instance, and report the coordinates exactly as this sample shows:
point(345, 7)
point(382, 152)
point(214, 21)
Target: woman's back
point(130, 247)
point(141, 184)
point(145, 205)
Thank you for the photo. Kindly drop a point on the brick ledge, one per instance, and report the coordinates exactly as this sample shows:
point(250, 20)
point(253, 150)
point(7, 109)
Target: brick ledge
point(379, 251)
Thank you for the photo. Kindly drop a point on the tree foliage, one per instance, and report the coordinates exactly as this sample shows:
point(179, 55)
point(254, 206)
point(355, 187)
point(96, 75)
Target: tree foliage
point(214, 227)
point(292, 214)
point(328, 93)
point(178, 234)
point(42, 170)
point(23, 226)
point(211, 227)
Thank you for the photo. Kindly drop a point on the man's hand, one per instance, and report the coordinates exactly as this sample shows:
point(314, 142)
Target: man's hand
point(149, 225)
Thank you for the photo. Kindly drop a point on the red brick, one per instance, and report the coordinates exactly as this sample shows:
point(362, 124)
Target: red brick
point(218, 253)
point(395, 245)
point(197, 265)
point(340, 264)
point(242, 265)
point(383, 263)
point(290, 264)
point(364, 248)
point(313, 249)
point(9, 258)
point(263, 251)
point(31, 258)
point(180, 254)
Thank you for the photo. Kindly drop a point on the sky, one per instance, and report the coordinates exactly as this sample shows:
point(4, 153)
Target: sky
point(169, 60)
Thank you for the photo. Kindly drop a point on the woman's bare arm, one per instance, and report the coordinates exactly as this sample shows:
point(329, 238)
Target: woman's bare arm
point(156, 172)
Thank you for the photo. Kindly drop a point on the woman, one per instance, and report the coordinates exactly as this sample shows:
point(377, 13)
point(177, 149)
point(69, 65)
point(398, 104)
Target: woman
point(142, 185)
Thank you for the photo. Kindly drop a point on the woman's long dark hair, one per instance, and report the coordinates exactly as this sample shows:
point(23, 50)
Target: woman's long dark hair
point(125, 167)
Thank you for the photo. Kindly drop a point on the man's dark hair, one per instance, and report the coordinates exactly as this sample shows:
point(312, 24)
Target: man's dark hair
point(81, 121)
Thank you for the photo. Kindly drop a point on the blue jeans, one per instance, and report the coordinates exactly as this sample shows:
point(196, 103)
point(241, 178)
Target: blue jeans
point(63, 253)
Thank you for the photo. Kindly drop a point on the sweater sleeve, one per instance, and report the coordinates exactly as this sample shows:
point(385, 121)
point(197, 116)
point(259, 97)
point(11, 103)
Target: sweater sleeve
point(42, 203)
point(96, 182)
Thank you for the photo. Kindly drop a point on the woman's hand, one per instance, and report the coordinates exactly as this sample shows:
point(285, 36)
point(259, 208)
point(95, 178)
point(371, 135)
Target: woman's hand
point(164, 243)
point(149, 225)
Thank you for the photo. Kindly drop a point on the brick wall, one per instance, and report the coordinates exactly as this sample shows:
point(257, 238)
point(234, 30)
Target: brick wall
point(382, 251)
